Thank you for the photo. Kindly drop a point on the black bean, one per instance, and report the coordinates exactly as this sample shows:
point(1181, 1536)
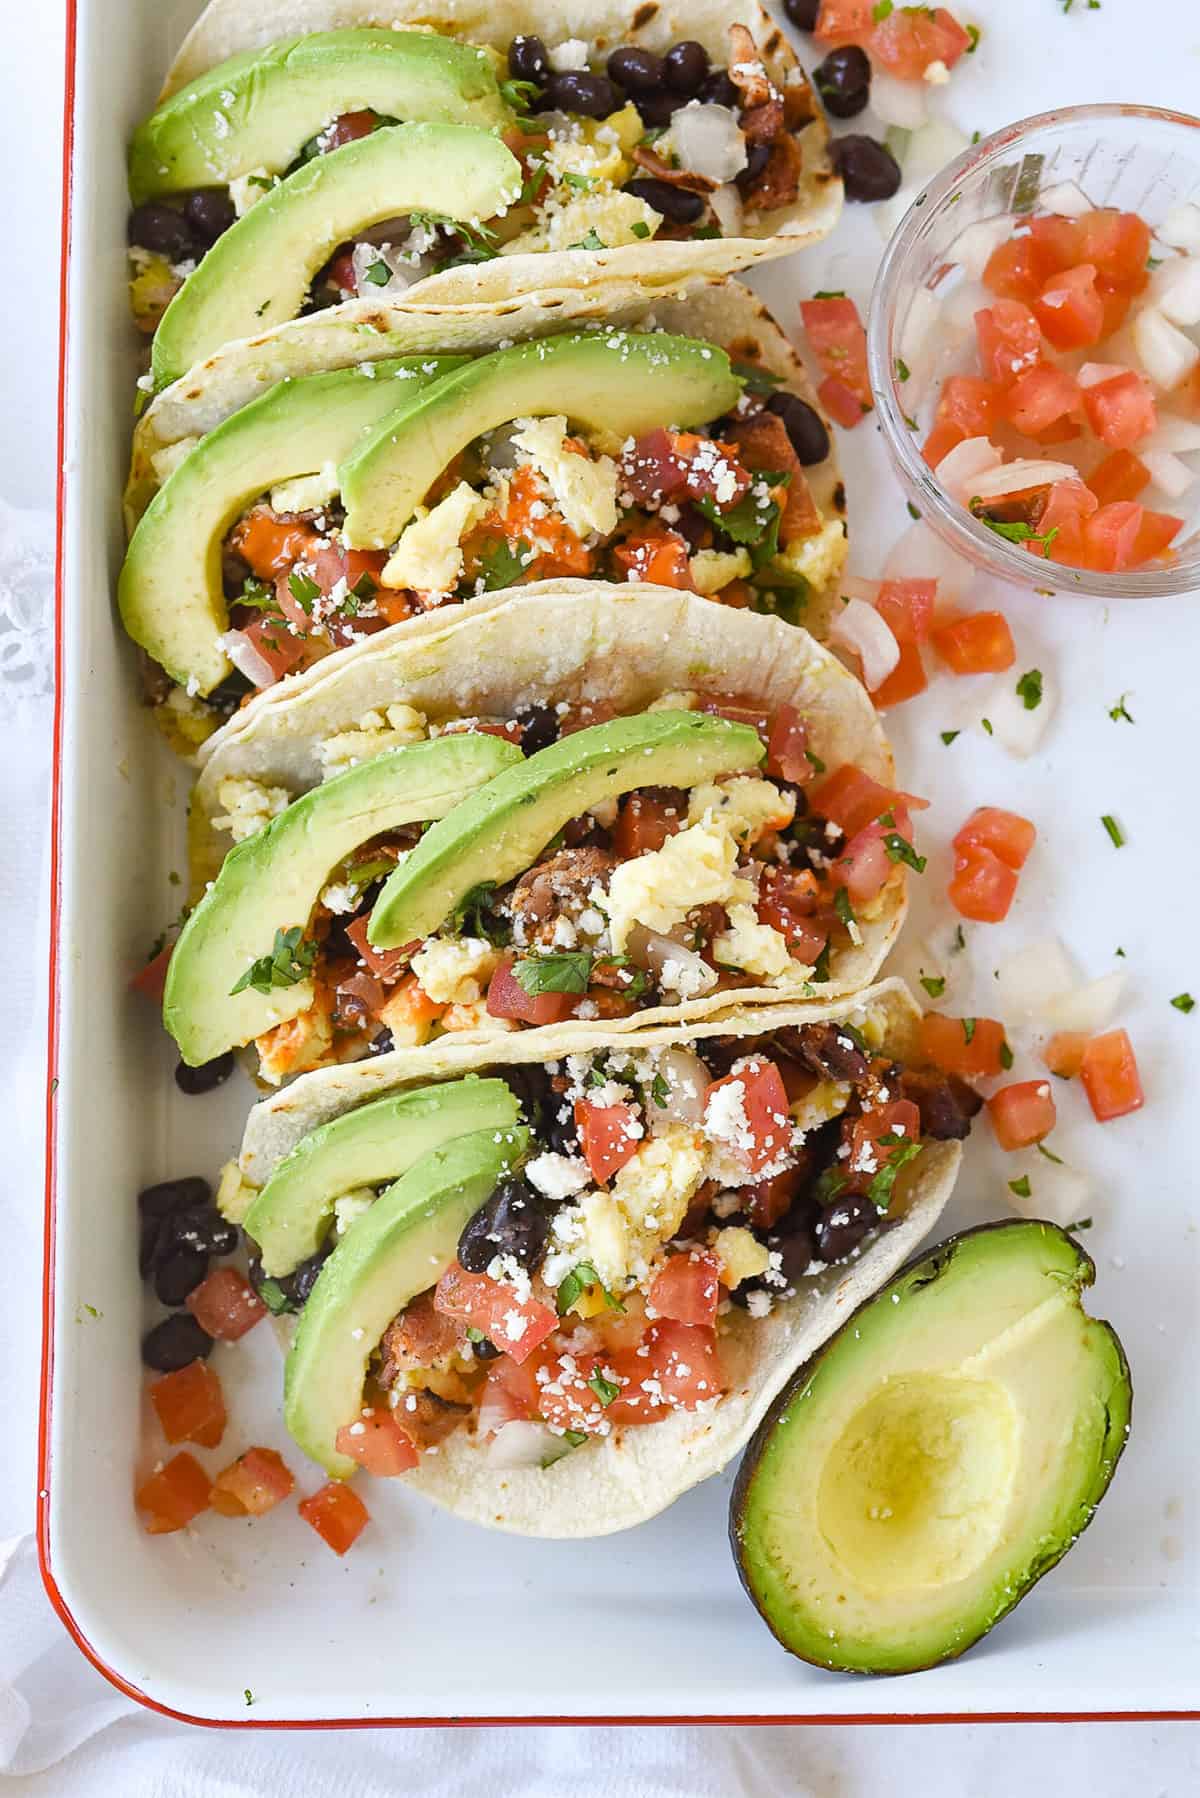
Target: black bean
point(514, 1221)
point(483, 1350)
point(719, 90)
point(637, 71)
point(757, 158)
point(675, 203)
point(301, 1280)
point(685, 67)
point(946, 1105)
point(383, 1044)
point(804, 426)
point(154, 1233)
point(176, 1342)
point(842, 1226)
point(208, 1075)
point(657, 110)
point(205, 1230)
point(539, 727)
point(161, 228)
point(868, 169)
point(574, 90)
point(845, 71)
point(527, 60)
point(209, 212)
point(830, 1052)
point(802, 13)
point(797, 1251)
point(846, 106)
point(179, 1273)
point(174, 1195)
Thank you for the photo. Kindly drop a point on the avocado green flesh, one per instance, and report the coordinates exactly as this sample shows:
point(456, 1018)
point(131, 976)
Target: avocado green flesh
point(170, 591)
point(613, 381)
point(257, 274)
point(273, 880)
point(258, 109)
point(943, 1451)
point(398, 1249)
point(501, 830)
point(376, 1143)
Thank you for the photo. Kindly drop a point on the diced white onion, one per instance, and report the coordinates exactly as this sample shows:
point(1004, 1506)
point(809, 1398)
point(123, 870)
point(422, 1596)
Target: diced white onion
point(1168, 472)
point(858, 627)
point(973, 248)
point(1029, 979)
point(1167, 356)
point(401, 276)
point(888, 214)
point(1066, 199)
point(708, 140)
point(246, 658)
point(960, 472)
point(920, 555)
point(1020, 476)
point(687, 1080)
point(851, 587)
point(1181, 228)
point(662, 955)
point(896, 102)
point(962, 302)
point(1089, 1007)
point(918, 342)
point(520, 1444)
point(1178, 436)
point(1014, 726)
point(1175, 290)
point(726, 202)
point(1060, 1194)
point(1092, 373)
point(932, 147)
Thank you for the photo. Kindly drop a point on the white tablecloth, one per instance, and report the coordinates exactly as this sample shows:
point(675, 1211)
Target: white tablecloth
point(63, 1729)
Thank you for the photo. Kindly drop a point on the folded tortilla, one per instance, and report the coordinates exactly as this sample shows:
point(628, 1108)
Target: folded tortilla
point(615, 1482)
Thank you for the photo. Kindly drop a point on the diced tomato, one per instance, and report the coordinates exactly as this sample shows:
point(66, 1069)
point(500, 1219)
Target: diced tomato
point(841, 402)
point(252, 1484)
point(1116, 302)
point(514, 1324)
point(645, 821)
point(609, 1135)
point(787, 901)
point(1022, 1114)
point(982, 887)
point(570, 1397)
point(1121, 410)
point(907, 609)
point(1015, 271)
point(190, 1405)
point(975, 643)
point(1010, 340)
point(271, 546)
point(1155, 532)
point(787, 747)
point(225, 1304)
point(174, 1495)
point(1110, 536)
point(864, 867)
point(507, 998)
point(662, 560)
point(1063, 1054)
point(152, 979)
point(680, 1368)
point(1055, 242)
point(388, 964)
point(852, 799)
point(1041, 398)
point(972, 1047)
point(1069, 504)
point(971, 403)
point(764, 1106)
point(338, 1515)
point(944, 437)
point(1109, 1072)
point(868, 1138)
point(839, 343)
point(280, 648)
point(688, 1289)
point(907, 679)
point(1006, 834)
point(346, 128)
point(910, 38)
point(844, 21)
point(766, 1201)
point(1120, 476)
point(376, 1441)
point(739, 709)
point(1117, 242)
point(510, 1393)
point(1070, 310)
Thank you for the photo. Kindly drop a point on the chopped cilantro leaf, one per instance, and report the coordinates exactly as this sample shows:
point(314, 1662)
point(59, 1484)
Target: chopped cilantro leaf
point(1015, 530)
point(880, 1189)
point(303, 589)
point(843, 907)
point(1029, 688)
point(1021, 1187)
point(968, 1025)
point(912, 510)
point(1081, 1223)
point(606, 1390)
point(830, 293)
point(582, 1276)
point(378, 274)
point(591, 240)
point(948, 736)
point(1006, 1056)
point(903, 371)
point(503, 565)
point(960, 940)
point(934, 984)
point(563, 971)
point(974, 33)
point(1184, 1002)
point(755, 378)
point(290, 961)
point(473, 916)
point(1049, 1154)
point(881, 10)
point(639, 228)
point(899, 849)
point(573, 179)
point(519, 94)
point(820, 972)
point(660, 1092)
point(1120, 711)
point(1116, 834)
point(987, 725)
point(814, 761)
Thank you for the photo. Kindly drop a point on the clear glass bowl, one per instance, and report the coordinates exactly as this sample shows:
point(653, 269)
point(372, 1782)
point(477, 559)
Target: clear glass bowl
point(1135, 158)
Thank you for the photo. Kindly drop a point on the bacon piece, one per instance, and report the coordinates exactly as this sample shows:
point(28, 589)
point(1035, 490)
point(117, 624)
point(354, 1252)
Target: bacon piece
point(747, 70)
point(779, 182)
point(764, 444)
point(654, 166)
point(418, 1337)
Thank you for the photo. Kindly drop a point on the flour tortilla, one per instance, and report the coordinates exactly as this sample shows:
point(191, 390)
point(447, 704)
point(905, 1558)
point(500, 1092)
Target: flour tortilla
point(721, 312)
point(627, 1478)
point(556, 641)
point(229, 26)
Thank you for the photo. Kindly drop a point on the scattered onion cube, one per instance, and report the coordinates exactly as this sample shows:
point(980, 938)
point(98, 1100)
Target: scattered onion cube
point(1060, 1194)
point(1014, 726)
point(1089, 1007)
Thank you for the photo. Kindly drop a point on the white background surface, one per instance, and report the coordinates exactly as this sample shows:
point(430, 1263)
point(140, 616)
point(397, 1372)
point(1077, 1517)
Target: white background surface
point(49, 1699)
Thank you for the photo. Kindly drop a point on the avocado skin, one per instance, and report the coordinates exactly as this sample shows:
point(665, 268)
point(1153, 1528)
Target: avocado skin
point(936, 1265)
point(273, 100)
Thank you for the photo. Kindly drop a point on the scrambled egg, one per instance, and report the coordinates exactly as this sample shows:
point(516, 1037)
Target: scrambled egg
point(746, 807)
point(623, 1228)
point(685, 701)
point(428, 556)
point(296, 1045)
point(752, 947)
point(818, 559)
point(389, 728)
point(828, 1099)
point(455, 970)
point(249, 806)
point(696, 867)
point(584, 488)
point(712, 569)
point(234, 1194)
point(351, 1206)
point(308, 492)
point(741, 1255)
point(600, 150)
point(166, 460)
point(594, 221)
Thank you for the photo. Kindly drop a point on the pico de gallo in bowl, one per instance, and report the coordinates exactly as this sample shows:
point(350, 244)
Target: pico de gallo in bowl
point(1034, 350)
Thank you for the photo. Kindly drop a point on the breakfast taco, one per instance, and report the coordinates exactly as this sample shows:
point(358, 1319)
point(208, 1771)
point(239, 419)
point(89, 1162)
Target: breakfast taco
point(621, 804)
point(556, 1286)
point(307, 491)
point(313, 151)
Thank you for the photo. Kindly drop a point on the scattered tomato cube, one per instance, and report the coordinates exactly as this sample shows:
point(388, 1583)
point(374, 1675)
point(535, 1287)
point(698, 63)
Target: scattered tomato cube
point(1010, 340)
point(975, 643)
point(507, 998)
point(1110, 1077)
point(787, 748)
point(1022, 1114)
point(190, 1405)
point(338, 1515)
point(852, 799)
point(1006, 834)
point(226, 1305)
point(1070, 310)
point(688, 1289)
point(174, 1495)
point(1063, 1054)
point(1121, 410)
point(151, 980)
point(839, 342)
point(1120, 476)
point(757, 1098)
point(377, 1442)
point(645, 821)
point(252, 1484)
point(1155, 533)
point(844, 21)
point(907, 679)
point(841, 402)
point(513, 1324)
point(609, 1135)
point(1043, 397)
point(971, 403)
point(972, 1047)
point(907, 607)
point(982, 887)
point(1110, 536)
point(907, 40)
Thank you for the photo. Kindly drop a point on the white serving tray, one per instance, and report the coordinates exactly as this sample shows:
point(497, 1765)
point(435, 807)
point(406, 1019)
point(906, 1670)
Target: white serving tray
point(428, 1619)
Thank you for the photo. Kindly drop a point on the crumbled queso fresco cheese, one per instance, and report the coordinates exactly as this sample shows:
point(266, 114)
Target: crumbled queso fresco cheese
point(620, 1231)
point(246, 190)
point(584, 488)
point(307, 492)
point(695, 867)
point(428, 557)
point(389, 728)
point(455, 971)
point(351, 1206)
point(557, 1176)
point(249, 805)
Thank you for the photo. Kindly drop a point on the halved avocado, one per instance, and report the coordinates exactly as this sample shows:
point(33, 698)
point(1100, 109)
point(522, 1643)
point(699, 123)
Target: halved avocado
point(170, 592)
point(622, 382)
point(502, 829)
point(259, 272)
point(939, 1455)
point(257, 110)
point(377, 1142)
point(401, 1247)
point(272, 881)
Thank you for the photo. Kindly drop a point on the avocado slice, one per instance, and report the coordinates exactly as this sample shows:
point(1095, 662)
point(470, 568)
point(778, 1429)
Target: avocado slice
point(502, 829)
point(259, 272)
point(621, 382)
point(378, 1142)
point(941, 1453)
point(257, 110)
point(401, 1247)
point(170, 592)
point(273, 880)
